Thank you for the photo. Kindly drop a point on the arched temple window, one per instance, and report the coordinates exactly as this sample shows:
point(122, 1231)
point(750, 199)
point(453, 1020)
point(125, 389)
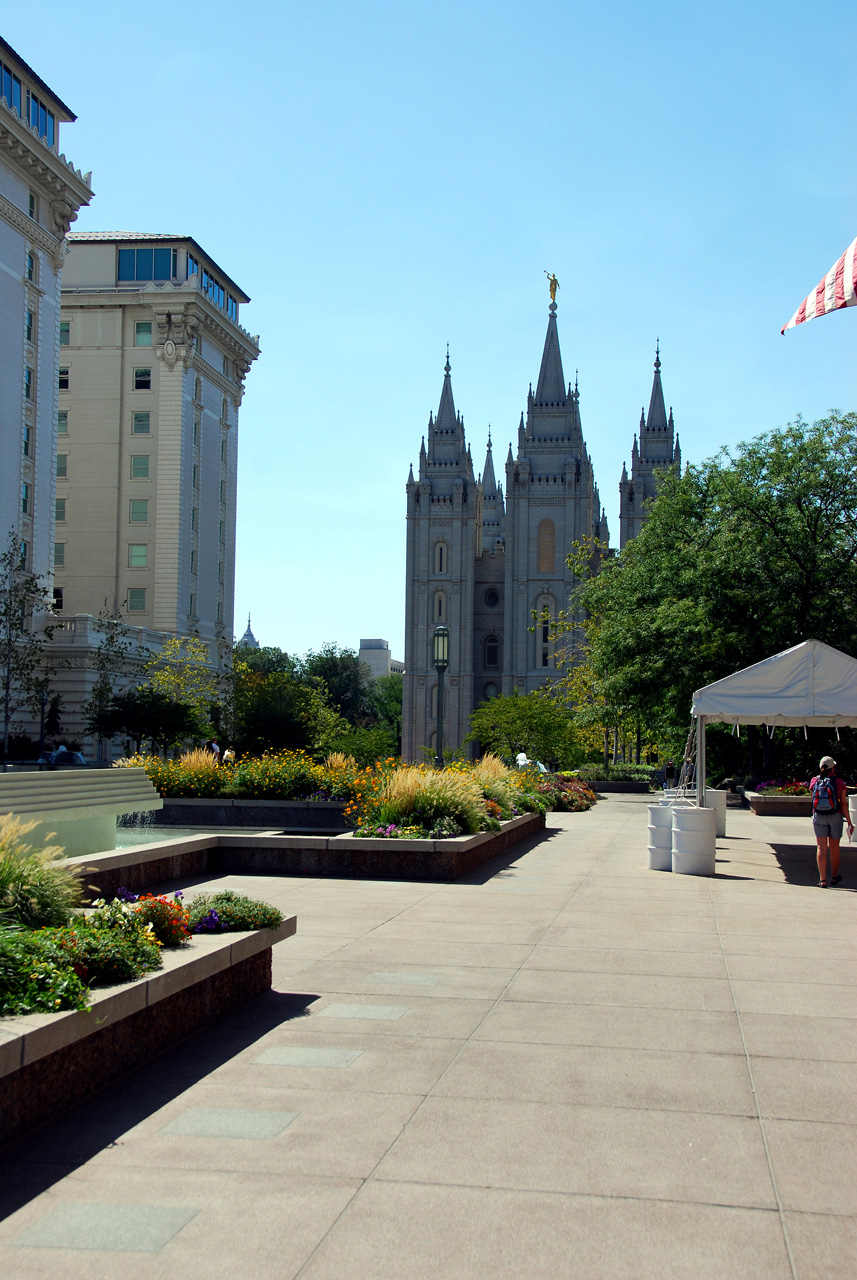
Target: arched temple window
point(438, 608)
point(441, 558)
point(546, 612)
point(492, 651)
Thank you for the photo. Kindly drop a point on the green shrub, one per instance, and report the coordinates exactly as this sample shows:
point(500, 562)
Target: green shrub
point(101, 955)
point(35, 980)
point(230, 912)
point(615, 773)
point(37, 887)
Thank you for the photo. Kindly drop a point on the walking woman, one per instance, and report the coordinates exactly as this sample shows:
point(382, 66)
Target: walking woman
point(829, 810)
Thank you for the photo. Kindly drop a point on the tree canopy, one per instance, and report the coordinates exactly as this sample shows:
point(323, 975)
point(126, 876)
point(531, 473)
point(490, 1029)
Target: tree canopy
point(741, 557)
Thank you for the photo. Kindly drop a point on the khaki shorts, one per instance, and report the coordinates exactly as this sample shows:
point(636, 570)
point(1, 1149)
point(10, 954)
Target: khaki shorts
point(828, 824)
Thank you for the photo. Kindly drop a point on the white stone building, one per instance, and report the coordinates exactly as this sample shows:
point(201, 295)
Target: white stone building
point(150, 382)
point(377, 657)
point(40, 194)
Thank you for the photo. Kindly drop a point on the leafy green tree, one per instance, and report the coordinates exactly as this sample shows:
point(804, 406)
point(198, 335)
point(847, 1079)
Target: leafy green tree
point(271, 712)
point(24, 653)
point(115, 658)
point(343, 678)
point(182, 671)
point(740, 558)
point(266, 661)
point(147, 713)
point(385, 703)
point(532, 722)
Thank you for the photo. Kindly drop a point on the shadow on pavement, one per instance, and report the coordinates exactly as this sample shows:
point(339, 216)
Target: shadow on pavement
point(33, 1163)
point(798, 864)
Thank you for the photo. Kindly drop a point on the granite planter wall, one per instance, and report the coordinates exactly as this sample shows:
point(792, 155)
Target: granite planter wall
point(324, 815)
point(49, 1061)
point(765, 805)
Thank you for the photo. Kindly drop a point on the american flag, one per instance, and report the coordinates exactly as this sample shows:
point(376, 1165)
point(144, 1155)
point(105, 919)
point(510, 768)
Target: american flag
point(837, 289)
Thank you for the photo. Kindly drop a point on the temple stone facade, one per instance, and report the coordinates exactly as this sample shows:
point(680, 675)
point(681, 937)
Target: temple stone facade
point(482, 561)
point(657, 450)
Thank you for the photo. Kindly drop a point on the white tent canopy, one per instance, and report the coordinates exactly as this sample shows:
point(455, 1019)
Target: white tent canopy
point(810, 684)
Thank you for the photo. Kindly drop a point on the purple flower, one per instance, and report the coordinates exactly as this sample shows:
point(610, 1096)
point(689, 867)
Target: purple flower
point(124, 895)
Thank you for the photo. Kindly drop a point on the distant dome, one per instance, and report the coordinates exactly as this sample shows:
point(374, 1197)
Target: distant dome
point(248, 640)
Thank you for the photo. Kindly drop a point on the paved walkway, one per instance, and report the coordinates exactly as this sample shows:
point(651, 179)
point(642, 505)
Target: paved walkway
point(564, 1067)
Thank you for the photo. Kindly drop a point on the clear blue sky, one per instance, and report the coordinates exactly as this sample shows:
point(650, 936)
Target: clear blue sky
point(384, 177)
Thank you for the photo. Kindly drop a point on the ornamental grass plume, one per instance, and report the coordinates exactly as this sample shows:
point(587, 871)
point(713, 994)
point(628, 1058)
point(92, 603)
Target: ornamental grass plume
point(339, 760)
point(37, 886)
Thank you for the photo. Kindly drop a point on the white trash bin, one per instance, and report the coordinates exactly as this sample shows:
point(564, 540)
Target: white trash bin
point(660, 837)
point(694, 835)
point(716, 800)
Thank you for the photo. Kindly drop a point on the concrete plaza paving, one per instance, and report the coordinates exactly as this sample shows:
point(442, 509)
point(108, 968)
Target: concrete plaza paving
point(566, 1065)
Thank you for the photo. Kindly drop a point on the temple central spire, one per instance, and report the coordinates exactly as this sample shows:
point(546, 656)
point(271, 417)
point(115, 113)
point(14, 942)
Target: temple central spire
point(551, 384)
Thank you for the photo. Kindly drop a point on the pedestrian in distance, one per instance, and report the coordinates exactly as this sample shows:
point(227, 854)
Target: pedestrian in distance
point(669, 774)
point(215, 750)
point(829, 811)
point(229, 756)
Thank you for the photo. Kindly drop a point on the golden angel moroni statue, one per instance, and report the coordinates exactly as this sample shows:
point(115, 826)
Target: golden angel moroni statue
point(553, 283)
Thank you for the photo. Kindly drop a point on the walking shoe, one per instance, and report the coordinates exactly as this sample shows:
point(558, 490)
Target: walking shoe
point(836, 880)
point(822, 884)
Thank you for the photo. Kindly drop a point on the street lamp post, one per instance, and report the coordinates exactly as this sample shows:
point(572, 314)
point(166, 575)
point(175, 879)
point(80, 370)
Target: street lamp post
point(440, 662)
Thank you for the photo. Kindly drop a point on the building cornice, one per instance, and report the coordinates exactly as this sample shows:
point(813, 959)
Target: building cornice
point(65, 188)
point(52, 245)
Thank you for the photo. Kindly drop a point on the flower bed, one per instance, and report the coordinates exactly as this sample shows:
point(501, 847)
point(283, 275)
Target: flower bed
point(387, 800)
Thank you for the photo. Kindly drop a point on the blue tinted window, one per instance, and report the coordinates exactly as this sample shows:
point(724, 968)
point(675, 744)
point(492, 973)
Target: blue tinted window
point(126, 264)
point(163, 264)
point(16, 94)
point(192, 266)
point(7, 85)
point(43, 120)
point(51, 133)
point(145, 264)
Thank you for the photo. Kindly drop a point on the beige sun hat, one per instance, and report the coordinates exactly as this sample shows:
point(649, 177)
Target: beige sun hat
point(827, 762)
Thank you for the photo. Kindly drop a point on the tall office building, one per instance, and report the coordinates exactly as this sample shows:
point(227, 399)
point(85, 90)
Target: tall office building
point(40, 194)
point(150, 382)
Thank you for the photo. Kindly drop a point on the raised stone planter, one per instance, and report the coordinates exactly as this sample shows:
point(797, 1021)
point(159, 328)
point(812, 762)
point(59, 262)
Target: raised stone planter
point(50, 1060)
point(324, 815)
point(765, 805)
point(342, 857)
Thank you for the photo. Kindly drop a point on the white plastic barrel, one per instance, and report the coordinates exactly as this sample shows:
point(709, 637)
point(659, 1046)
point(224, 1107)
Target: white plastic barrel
point(852, 810)
point(694, 835)
point(660, 837)
point(716, 800)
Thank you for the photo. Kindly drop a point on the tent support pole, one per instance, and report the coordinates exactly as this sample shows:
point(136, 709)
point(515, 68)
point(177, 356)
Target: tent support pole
point(700, 761)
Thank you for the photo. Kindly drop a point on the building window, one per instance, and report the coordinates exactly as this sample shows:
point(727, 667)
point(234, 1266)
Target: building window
point(41, 119)
point(193, 519)
point(223, 451)
point(139, 511)
point(194, 475)
point(197, 390)
point(62, 466)
point(221, 533)
point(138, 555)
point(195, 432)
point(26, 500)
point(546, 536)
point(490, 691)
point(438, 612)
point(224, 409)
point(191, 605)
point(58, 599)
point(31, 268)
point(63, 377)
point(220, 611)
point(29, 386)
point(441, 557)
point(140, 424)
point(492, 597)
point(30, 327)
point(142, 333)
point(142, 379)
point(11, 88)
point(28, 441)
point(62, 422)
point(136, 599)
point(65, 333)
point(220, 572)
point(33, 206)
point(59, 510)
point(193, 561)
point(140, 466)
point(24, 558)
point(222, 491)
point(59, 555)
point(147, 264)
point(492, 651)
point(225, 373)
